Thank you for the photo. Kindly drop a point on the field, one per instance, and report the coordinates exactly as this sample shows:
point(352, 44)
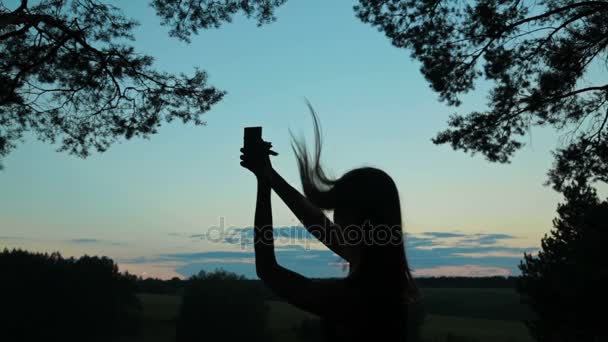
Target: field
point(497, 304)
point(438, 327)
point(478, 314)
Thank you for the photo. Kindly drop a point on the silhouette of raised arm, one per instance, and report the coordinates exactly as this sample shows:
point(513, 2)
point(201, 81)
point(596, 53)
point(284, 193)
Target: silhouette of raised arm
point(331, 298)
point(313, 218)
point(328, 298)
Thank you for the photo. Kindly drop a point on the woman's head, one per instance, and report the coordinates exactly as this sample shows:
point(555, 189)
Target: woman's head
point(365, 195)
point(366, 207)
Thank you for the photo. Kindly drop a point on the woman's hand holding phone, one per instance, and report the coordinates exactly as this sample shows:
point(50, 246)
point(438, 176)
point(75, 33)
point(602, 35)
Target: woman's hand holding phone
point(255, 154)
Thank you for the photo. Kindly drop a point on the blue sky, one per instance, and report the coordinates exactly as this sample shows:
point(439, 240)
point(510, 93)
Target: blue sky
point(143, 200)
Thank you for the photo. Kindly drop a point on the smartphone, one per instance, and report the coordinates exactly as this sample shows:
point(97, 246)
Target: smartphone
point(252, 135)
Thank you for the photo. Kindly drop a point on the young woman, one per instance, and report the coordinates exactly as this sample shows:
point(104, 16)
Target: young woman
point(370, 304)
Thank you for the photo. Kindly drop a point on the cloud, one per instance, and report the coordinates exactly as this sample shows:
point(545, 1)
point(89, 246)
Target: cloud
point(227, 260)
point(243, 236)
point(428, 253)
point(12, 238)
point(307, 256)
point(462, 271)
point(162, 270)
point(490, 254)
point(492, 238)
point(91, 241)
point(436, 240)
point(311, 263)
point(84, 241)
point(181, 257)
point(444, 234)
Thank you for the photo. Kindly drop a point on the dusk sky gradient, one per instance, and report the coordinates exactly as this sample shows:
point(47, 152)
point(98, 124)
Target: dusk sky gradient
point(145, 199)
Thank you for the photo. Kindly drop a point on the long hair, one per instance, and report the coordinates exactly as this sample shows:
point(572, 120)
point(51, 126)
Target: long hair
point(371, 194)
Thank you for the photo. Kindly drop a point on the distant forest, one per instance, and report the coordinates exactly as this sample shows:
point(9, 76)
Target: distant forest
point(49, 297)
point(174, 285)
point(45, 263)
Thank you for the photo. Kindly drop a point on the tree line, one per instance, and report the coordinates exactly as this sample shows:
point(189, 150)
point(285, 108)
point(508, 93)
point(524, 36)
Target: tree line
point(46, 297)
point(175, 286)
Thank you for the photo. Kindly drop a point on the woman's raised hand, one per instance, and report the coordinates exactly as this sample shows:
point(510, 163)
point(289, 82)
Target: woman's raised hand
point(255, 157)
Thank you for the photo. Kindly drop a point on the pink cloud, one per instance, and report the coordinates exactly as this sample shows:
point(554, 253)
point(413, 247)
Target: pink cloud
point(462, 271)
point(227, 260)
point(338, 263)
point(151, 270)
point(492, 254)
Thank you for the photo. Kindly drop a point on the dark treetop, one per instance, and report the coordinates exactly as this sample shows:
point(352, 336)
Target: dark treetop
point(535, 55)
point(69, 75)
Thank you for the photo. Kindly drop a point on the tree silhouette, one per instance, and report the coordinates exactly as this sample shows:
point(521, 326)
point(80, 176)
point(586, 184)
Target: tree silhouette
point(48, 298)
point(535, 54)
point(565, 283)
point(69, 75)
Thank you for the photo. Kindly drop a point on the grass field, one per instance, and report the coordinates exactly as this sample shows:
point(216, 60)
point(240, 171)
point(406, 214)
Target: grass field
point(500, 304)
point(480, 314)
point(437, 327)
point(158, 321)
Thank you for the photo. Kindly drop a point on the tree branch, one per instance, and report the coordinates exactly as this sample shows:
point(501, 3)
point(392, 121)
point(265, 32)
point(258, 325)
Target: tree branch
point(599, 131)
point(560, 27)
point(18, 19)
point(481, 51)
point(15, 33)
point(22, 7)
point(33, 65)
point(578, 91)
point(557, 10)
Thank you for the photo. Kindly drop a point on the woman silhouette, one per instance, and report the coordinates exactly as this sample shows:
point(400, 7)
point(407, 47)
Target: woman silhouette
point(370, 304)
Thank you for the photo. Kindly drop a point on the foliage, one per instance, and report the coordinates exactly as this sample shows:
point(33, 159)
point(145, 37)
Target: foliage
point(160, 286)
point(564, 283)
point(534, 54)
point(221, 306)
point(48, 298)
point(70, 75)
point(187, 17)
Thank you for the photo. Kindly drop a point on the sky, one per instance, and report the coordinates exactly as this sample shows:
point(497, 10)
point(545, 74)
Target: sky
point(179, 202)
